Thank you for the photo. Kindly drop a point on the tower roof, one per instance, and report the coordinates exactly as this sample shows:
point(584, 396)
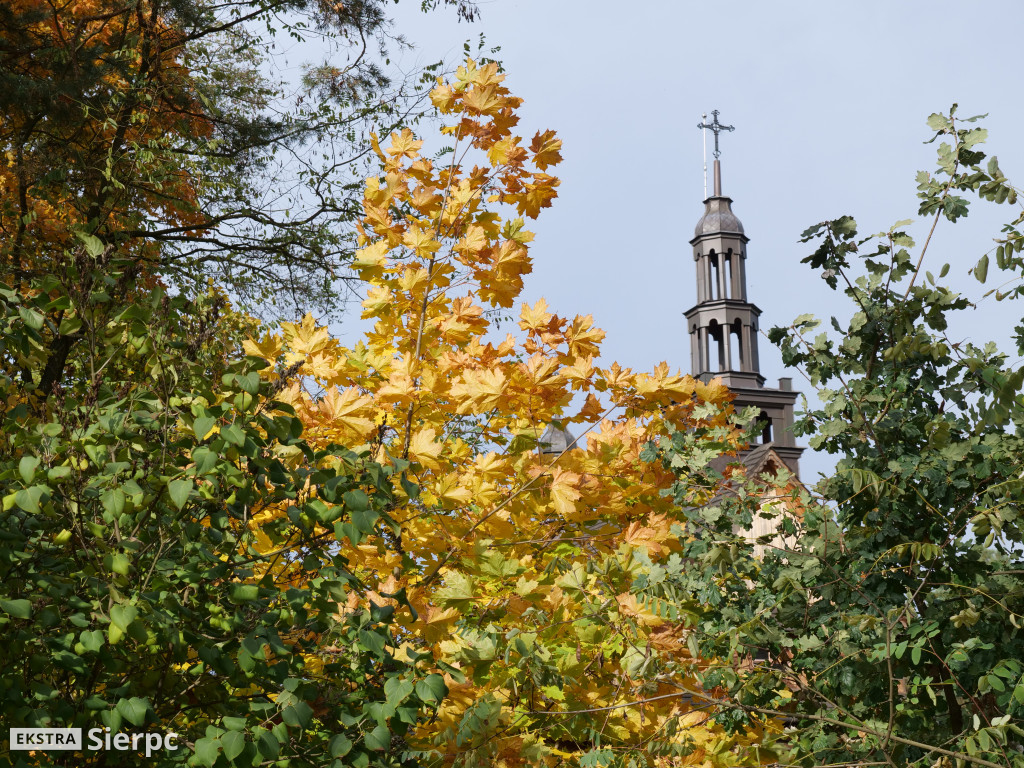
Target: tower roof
point(555, 440)
point(718, 217)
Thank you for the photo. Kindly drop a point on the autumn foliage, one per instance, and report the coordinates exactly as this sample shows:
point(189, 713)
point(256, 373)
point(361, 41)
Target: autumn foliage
point(96, 105)
point(519, 562)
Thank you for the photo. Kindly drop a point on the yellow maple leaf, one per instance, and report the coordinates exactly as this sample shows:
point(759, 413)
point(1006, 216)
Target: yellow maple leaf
point(421, 241)
point(489, 74)
point(535, 195)
point(404, 144)
point(479, 391)
point(378, 300)
point(323, 367)
point(450, 492)
point(372, 257)
point(630, 606)
point(305, 338)
point(583, 338)
point(563, 491)
point(268, 349)
point(580, 372)
point(472, 243)
point(506, 151)
point(349, 409)
point(483, 100)
point(436, 623)
point(443, 97)
point(546, 147)
point(424, 448)
point(712, 392)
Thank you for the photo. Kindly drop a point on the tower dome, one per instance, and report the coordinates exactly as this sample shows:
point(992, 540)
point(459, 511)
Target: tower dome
point(718, 217)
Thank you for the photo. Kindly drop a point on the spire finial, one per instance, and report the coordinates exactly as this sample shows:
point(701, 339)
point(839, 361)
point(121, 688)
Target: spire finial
point(716, 127)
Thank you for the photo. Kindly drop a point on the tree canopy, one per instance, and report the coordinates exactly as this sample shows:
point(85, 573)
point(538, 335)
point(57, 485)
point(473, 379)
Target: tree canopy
point(442, 545)
point(165, 127)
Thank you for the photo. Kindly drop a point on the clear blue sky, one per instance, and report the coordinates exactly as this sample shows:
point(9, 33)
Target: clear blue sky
point(829, 101)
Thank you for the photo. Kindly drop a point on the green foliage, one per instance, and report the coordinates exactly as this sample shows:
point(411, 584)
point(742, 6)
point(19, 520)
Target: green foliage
point(163, 566)
point(882, 625)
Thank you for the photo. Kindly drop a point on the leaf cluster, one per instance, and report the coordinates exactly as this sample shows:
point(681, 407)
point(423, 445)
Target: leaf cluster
point(143, 587)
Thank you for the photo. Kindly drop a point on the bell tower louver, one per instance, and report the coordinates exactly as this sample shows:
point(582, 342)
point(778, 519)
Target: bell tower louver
point(723, 324)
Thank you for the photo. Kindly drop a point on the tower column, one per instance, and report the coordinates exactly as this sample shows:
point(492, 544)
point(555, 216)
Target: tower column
point(695, 350)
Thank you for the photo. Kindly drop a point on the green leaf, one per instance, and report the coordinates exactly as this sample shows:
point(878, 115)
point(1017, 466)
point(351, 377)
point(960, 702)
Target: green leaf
point(133, 710)
point(32, 319)
point(268, 745)
point(362, 515)
point(372, 641)
point(396, 691)
point(233, 743)
point(28, 498)
point(233, 434)
point(553, 692)
point(57, 473)
point(91, 640)
point(356, 501)
point(340, 746)
point(1018, 692)
point(93, 245)
point(207, 751)
point(378, 739)
point(249, 383)
point(297, 715)
point(974, 136)
point(179, 491)
point(113, 502)
point(205, 460)
point(938, 122)
point(364, 520)
point(458, 587)
point(432, 688)
point(203, 426)
point(243, 593)
point(69, 325)
point(27, 467)
point(19, 609)
point(118, 563)
point(596, 758)
point(981, 269)
point(121, 616)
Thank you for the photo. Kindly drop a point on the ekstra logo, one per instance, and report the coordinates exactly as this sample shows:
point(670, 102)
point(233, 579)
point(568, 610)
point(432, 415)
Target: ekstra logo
point(46, 738)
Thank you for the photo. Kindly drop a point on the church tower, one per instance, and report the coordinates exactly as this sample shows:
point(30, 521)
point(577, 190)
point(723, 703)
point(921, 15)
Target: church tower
point(723, 324)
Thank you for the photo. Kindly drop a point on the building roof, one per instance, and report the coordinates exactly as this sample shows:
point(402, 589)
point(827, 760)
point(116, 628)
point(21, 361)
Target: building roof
point(756, 460)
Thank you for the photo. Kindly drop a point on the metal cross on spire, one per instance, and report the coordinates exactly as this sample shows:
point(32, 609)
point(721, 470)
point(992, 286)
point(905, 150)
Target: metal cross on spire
point(717, 128)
